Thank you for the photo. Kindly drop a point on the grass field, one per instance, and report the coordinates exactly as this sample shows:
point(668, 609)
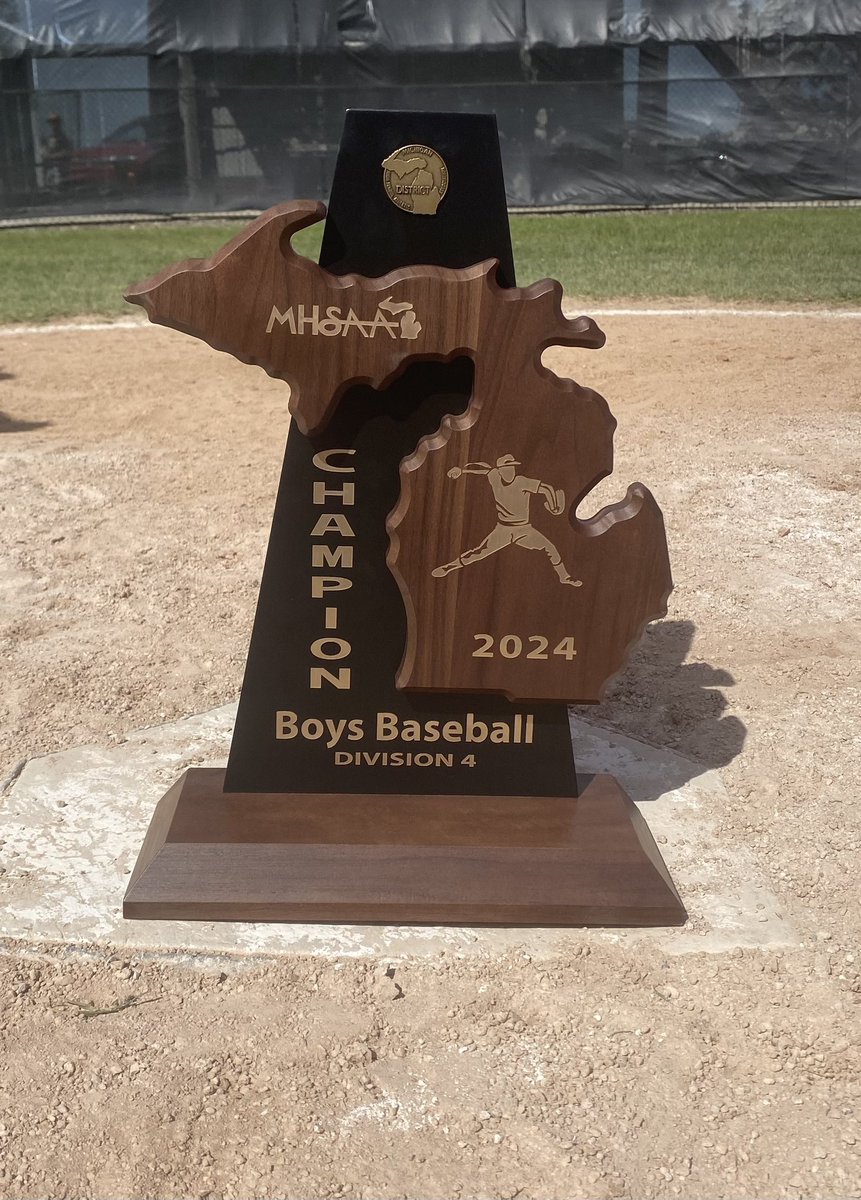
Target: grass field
point(778, 255)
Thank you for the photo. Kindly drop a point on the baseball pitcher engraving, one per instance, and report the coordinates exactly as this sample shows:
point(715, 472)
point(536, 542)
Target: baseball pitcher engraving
point(512, 493)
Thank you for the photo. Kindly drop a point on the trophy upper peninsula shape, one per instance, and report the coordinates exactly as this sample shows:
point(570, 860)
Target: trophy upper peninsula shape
point(505, 590)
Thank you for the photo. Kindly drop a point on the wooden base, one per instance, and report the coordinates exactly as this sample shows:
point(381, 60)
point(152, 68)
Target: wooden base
point(400, 860)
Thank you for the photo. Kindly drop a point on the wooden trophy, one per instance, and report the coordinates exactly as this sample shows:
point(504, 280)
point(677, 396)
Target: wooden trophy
point(430, 602)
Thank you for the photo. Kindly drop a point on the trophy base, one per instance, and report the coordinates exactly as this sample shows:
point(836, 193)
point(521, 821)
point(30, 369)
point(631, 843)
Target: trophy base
point(211, 855)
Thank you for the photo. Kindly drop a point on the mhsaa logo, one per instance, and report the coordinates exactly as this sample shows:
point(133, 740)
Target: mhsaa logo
point(395, 317)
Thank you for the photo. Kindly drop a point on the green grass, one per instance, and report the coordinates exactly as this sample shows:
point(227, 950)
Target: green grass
point(777, 255)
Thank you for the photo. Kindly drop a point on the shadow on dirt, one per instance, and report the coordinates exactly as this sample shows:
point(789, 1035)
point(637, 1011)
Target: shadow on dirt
point(671, 704)
point(10, 425)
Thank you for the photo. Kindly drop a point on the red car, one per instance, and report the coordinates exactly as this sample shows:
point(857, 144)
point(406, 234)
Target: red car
point(147, 150)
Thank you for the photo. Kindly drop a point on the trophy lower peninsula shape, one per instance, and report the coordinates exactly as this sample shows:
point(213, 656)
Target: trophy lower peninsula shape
point(506, 592)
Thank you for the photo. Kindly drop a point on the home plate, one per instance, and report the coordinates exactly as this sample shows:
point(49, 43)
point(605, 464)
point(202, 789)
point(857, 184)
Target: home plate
point(72, 824)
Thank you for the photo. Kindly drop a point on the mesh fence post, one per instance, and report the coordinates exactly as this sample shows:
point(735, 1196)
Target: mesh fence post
point(190, 127)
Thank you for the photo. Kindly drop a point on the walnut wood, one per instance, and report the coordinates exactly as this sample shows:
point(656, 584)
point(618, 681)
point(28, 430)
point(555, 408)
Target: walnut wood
point(561, 434)
point(227, 301)
point(619, 556)
point(462, 860)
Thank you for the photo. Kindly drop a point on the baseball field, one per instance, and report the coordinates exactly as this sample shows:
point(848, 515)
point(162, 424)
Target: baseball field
point(139, 469)
point(808, 256)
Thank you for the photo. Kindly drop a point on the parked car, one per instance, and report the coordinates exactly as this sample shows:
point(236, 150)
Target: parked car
point(145, 151)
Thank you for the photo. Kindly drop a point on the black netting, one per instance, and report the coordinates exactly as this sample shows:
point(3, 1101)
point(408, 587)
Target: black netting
point(191, 105)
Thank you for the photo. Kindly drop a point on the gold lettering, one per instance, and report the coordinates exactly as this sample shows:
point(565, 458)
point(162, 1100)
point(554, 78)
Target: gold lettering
point(313, 320)
point(335, 729)
point(281, 318)
point(319, 674)
point(331, 325)
point(387, 726)
point(320, 584)
point(322, 461)
point(330, 647)
point(476, 731)
point(342, 648)
point(338, 556)
point(285, 725)
point(346, 493)
point(353, 322)
point(332, 523)
point(381, 322)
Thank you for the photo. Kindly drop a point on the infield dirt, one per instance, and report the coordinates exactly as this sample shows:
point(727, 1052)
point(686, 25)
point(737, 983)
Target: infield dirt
point(138, 475)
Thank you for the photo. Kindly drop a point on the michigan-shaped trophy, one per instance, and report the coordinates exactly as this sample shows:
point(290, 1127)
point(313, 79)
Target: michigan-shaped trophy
point(430, 602)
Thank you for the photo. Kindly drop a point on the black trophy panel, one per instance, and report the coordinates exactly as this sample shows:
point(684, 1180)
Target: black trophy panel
point(366, 233)
point(369, 737)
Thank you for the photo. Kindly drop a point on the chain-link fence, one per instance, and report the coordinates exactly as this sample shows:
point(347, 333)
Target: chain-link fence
point(593, 142)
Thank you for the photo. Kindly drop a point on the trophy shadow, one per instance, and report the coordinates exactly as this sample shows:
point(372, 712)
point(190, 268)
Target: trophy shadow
point(670, 704)
point(12, 425)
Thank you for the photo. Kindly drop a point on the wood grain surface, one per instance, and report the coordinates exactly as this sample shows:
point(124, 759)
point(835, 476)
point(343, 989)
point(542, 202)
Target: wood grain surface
point(418, 312)
point(462, 860)
point(330, 332)
point(505, 589)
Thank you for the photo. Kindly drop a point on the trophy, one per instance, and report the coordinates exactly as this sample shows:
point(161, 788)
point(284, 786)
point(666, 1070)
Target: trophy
point(430, 602)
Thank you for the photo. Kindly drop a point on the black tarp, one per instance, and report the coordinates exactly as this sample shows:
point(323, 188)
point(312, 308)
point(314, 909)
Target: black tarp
point(190, 26)
point(599, 102)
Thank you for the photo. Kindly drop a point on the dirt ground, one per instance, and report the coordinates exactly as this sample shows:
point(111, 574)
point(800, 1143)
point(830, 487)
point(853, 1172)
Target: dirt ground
point(138, 474)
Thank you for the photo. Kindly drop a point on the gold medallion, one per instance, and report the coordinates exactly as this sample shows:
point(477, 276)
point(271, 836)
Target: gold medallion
point(415, 179)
